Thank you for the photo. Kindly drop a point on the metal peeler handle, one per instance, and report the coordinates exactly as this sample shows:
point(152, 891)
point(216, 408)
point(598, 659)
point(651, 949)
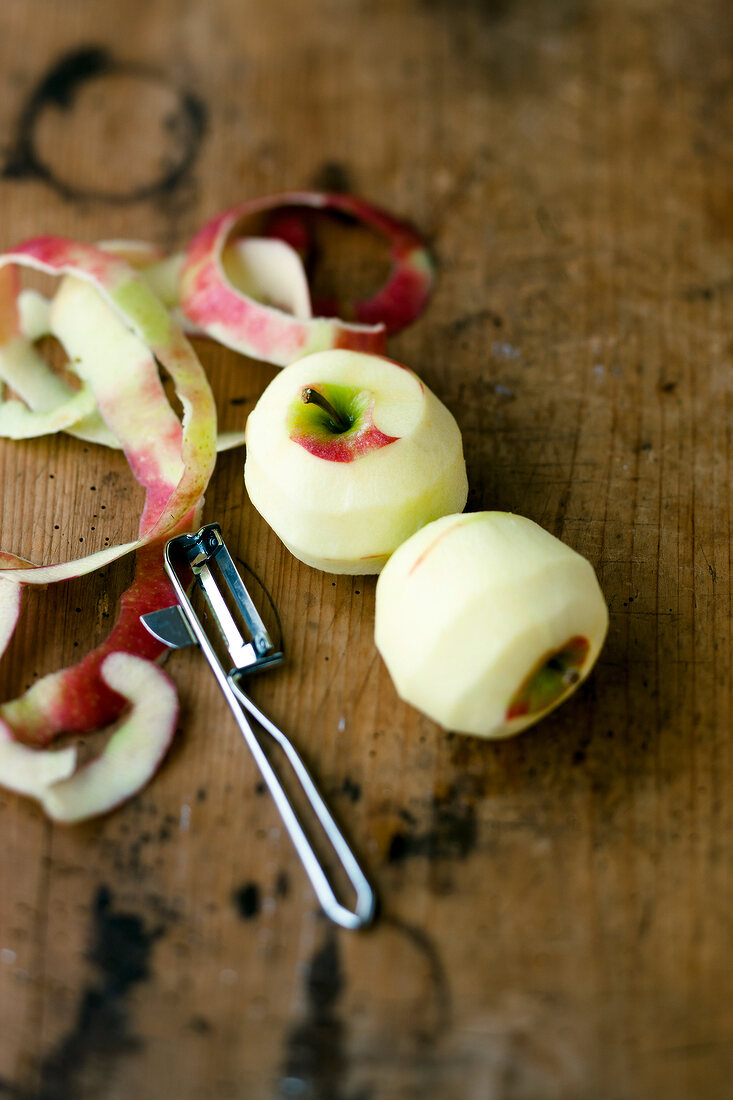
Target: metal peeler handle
point(364, 908)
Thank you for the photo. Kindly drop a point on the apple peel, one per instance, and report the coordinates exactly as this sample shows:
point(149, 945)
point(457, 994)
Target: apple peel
point(57, 407)
point(43, 392)
point(214, 304)
point(135, 750)
point(270, 271)
point(22, 769)
point(123, 303)
point(33, 310)
point(10, 598)
point(30, 771)
point(267, 269)
point(172, 461)
point(17, 421)
point(76, 699)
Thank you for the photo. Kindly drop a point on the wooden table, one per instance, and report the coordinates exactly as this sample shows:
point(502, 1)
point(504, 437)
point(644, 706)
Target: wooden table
point(556, 910)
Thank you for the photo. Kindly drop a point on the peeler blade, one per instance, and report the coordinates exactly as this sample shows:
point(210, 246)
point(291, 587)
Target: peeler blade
point(169, 626)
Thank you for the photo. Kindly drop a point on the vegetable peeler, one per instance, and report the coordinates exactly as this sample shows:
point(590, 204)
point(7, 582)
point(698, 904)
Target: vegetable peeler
point(201, 563)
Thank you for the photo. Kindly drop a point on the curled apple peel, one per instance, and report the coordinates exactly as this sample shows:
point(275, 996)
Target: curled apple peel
point(266, 269)
point(17, 421)
point(212, 303)
point(116, 331)
point(10, 598)
point(77, 699)
point(176, 467)
point(134, 752)
point(31, 771)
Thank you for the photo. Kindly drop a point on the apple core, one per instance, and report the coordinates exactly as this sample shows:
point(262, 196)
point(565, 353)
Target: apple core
point(554, 676)
point(336, 423)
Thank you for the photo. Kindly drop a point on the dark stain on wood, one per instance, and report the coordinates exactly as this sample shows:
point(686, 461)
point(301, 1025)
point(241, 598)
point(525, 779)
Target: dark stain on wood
point(451, 830)
point(332, 176)
point(200, 1025)
point(59, 87)
point(479, 319)
point(439, 983)
point(282, 884)
point(351, 789)
point(247, 900)
point(120, 952)
point(315, 1062)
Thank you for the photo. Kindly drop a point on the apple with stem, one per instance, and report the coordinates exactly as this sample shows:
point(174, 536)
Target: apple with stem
point(486, 622)
point(349, 454)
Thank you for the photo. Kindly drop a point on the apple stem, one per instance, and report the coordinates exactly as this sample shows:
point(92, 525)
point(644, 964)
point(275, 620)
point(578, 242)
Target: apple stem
point(313, 397)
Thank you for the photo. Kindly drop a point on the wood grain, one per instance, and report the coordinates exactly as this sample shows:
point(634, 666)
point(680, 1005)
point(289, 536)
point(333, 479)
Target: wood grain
point(556, 909)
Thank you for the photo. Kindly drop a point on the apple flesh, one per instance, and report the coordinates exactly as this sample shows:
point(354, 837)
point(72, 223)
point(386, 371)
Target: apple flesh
point(486, 622)
point(348, 474)
point(30, 771)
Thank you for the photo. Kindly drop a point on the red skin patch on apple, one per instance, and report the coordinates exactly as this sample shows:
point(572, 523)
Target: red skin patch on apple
point(346, 448)
point(406, 296)
point(372, 343)
point(60, 253)
point(429, 549)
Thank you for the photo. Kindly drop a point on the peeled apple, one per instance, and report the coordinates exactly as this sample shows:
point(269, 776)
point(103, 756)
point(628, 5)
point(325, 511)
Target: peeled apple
point(486, 622)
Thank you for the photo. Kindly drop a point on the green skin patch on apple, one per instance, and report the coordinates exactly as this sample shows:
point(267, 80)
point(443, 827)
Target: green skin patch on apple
point(555, 676)
point(335, 422)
